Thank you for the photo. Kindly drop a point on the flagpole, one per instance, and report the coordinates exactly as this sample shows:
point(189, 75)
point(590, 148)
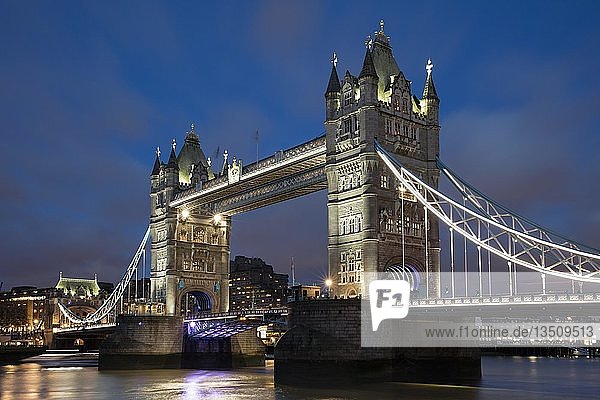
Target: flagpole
point(257, 146)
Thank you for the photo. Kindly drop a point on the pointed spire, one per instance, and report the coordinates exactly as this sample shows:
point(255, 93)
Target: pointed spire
point(225, 164)
point(156, 169)
point(429, 91)
point(173, 158)
point(368, 68)
point(334, 82)
point(380, 36)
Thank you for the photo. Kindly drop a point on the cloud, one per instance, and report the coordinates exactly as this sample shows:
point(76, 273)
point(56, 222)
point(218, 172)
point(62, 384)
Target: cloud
point(532, 153)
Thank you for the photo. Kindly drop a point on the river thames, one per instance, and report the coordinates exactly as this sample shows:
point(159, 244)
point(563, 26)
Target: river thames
point(504, 378)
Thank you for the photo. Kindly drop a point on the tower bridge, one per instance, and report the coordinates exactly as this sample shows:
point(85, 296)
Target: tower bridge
point(379, 161)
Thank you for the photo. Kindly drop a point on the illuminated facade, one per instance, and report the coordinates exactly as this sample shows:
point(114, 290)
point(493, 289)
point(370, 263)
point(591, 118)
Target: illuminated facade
point(374, 224)
point(254, 285)
point(189, 249)
point(371, 217)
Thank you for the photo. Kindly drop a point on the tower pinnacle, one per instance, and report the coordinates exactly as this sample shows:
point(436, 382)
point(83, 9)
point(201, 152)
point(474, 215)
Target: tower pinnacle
point(369, 42)
point(429, 91)
point(429, 67)
point(334, 82)
point(156, 168)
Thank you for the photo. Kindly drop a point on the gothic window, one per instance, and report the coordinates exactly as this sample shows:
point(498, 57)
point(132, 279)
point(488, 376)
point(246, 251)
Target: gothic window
point(397, 128)
point(405, 130)
point(413, 133)
point(199, 234)
point(404, 105)
point(397, 103)
point(210, 265)
point(389, 225)
point(183, 233)
point(347, 125)
point(186, 260)
point(356, 125)
point(416, 229)
point(384, 182)
point(358, 223)
point(388, 126)
point(351, 264)
point(352, 223)
point(347, 98)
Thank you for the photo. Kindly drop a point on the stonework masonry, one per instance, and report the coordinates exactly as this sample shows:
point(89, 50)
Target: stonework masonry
point(142, 342)
point(370, 215)
point(324, 345)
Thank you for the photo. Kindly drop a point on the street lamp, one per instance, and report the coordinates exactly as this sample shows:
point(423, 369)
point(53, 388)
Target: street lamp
point(328, 283)
point(185, 213)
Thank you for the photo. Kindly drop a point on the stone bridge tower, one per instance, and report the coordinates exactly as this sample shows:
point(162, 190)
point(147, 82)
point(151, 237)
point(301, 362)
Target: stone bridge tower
point(367, 207)
point(190, 247)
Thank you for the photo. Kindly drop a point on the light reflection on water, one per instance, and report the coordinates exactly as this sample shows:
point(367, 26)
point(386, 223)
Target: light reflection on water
point(504, 378)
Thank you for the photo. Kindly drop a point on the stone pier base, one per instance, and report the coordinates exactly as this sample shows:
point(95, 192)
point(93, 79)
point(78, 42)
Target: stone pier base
point(324, 348)
point(241, 350)
point(143, 342)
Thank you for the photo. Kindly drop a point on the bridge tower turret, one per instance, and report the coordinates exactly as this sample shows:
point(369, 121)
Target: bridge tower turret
point(189, 264)
point(333, 93)
point(374, 225)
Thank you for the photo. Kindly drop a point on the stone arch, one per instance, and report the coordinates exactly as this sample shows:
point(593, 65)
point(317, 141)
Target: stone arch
point(196, 300)
point(411, 270)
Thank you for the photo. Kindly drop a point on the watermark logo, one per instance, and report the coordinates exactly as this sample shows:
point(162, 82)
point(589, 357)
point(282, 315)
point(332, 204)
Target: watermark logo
point(389, 299)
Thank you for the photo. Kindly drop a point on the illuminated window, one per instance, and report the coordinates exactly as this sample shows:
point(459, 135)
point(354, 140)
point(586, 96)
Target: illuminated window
point(389, 225)
point(384, 182)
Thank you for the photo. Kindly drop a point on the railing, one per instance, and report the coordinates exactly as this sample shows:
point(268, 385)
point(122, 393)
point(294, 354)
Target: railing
point(562, 298)
point(280, 158)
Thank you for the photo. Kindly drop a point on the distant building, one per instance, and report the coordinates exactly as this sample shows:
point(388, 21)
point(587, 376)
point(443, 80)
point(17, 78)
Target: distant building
point(304, 292)
point(253, 285)
point(24, 308)
point(80, 295)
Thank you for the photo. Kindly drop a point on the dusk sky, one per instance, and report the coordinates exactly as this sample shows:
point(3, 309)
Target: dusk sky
point(89, 89)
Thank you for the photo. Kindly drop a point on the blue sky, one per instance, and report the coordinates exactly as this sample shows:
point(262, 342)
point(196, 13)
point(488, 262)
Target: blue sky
point(89, 89)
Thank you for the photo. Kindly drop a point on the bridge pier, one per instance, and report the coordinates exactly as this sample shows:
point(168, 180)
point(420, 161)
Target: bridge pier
point(243, 349)
point(323, 346)
point(143, 342)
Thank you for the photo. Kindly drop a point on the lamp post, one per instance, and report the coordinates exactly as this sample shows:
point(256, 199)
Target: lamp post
point(328, 283)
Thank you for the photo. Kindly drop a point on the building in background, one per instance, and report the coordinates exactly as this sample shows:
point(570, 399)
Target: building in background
point(81, 296)
point(22, 311)
point(254, 285)
point(304, 292)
